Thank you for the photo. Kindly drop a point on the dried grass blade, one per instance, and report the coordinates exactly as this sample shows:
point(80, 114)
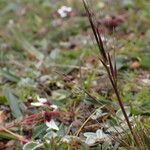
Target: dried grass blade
point(95, 31)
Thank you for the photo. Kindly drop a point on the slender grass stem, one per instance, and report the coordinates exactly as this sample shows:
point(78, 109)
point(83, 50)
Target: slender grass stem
point(108, 64)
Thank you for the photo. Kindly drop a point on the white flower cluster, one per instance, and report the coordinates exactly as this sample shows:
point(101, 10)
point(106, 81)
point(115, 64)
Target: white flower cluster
point(42, 102)
point(63, 11)
point(32, 145)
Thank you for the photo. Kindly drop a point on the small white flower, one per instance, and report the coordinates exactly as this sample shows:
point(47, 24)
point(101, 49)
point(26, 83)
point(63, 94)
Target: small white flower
point(43, 102)
point(40, 102)
point(64, 10)
point(92, 137)
point(51, 125)
point(55, 107)
point(101, 135)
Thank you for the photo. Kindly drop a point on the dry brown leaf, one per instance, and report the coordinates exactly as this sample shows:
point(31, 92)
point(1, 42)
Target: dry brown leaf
point(2, 117)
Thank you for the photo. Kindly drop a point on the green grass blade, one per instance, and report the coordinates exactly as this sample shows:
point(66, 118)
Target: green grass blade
point(12, 100)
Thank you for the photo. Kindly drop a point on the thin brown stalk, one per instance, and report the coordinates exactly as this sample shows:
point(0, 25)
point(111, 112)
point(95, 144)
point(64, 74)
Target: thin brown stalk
point(19, 137)
point(95, 31)
point(107, 63)
point(120, 101)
